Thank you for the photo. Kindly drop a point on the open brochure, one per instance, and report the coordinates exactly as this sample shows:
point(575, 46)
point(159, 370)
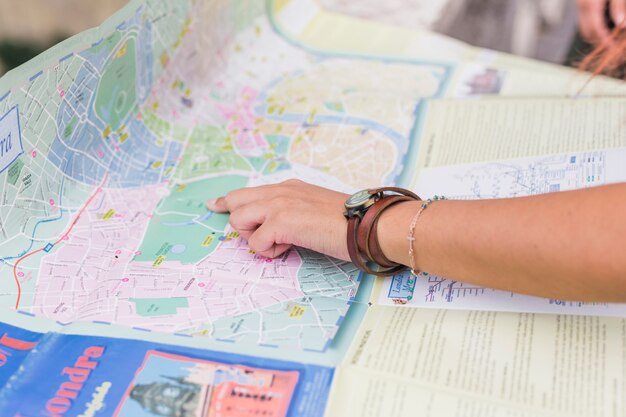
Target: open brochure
point(122, 295)
point(54, 374)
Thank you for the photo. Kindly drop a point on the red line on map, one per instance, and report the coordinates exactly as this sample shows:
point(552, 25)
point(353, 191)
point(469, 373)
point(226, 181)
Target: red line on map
point(59, 240)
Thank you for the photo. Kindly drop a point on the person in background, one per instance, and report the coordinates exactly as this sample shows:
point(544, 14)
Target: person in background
point(565, 245)
point(596, 19)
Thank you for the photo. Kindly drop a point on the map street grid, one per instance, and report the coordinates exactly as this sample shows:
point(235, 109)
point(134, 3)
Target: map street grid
point(103, 217)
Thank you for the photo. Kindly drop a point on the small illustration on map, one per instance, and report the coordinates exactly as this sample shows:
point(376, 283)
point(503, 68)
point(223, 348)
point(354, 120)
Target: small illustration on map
point(477, 80)
point(180, 386)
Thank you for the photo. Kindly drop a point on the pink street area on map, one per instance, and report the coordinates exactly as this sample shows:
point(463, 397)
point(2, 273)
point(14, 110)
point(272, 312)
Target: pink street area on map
point(242, 120)
point(92, 275)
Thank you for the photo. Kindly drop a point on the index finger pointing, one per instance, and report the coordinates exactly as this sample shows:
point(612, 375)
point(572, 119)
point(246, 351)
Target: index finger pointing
point(243, 196)
point(217, 205)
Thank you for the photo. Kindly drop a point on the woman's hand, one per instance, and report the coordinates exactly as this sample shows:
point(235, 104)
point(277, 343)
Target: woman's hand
point(272, 218)
point(592, 22)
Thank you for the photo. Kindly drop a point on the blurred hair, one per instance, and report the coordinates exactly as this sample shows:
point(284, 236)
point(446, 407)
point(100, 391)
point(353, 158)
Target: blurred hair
point(609, 58)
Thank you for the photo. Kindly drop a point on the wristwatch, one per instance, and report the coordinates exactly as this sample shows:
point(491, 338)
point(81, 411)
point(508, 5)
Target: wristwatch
point(358, 203)
point(363, 209)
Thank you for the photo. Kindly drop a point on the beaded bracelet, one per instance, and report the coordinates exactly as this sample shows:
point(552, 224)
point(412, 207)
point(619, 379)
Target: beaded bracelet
point(411, 236)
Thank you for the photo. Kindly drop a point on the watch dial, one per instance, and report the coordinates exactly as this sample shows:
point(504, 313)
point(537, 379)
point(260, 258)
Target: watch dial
point(358, 198)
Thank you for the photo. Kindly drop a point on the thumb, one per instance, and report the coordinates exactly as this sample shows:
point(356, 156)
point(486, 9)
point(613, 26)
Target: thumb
point(217, 205)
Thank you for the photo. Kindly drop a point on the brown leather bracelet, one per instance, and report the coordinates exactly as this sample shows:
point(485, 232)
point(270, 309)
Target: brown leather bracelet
point(363, 245)
point(364, 233)
point(356, 257)
point(367, 236)
point(373, 249)
point(353, 250)
point(397, 190)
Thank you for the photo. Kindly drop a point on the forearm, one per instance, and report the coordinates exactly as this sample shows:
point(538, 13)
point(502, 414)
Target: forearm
point(565, 245)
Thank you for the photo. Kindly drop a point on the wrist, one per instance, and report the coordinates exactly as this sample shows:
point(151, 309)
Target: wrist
point(393, 229)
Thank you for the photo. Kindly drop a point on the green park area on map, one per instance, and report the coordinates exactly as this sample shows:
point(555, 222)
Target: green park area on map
point(181, 228)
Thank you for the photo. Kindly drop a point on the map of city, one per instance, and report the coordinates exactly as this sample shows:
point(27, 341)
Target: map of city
point(503, 179)
point(110, 153)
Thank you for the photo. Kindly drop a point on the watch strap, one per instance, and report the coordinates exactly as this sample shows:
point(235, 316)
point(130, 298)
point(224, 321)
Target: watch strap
point(355, 255)
point(353, 249)
point(363, 245)
point(367, 235)
point(397, 190)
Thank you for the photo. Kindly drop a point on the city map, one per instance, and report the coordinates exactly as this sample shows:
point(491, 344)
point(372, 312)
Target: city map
point(113, 149)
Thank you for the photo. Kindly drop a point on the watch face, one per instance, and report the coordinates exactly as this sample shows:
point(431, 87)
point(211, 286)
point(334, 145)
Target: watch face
point(358, 199)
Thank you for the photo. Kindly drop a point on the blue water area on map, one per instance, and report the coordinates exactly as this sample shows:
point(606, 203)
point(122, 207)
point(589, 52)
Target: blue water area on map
point(82, 149)
point(399, 139)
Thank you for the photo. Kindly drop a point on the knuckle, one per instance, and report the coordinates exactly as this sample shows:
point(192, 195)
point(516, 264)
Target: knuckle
point(235, 195)
point(228, 199)
point(281, 203)
point(235, 220)
point(254, 242)
point(292, 182)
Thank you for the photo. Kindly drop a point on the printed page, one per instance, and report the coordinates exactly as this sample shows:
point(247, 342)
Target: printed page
point(456, 132)
point(460, 363)
point(505, 179)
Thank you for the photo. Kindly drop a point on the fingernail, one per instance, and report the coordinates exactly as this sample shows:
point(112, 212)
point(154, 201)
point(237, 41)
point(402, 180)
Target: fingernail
point(210, 204)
